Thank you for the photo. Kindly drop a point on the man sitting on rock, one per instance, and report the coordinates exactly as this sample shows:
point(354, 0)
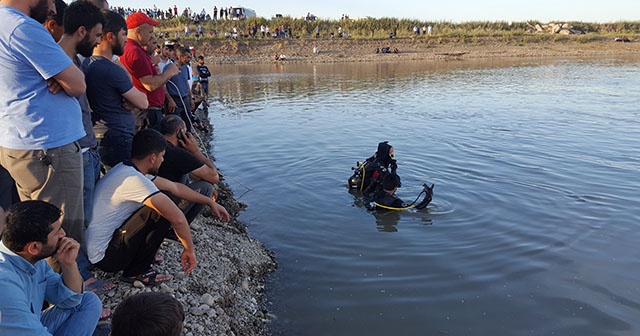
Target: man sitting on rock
point(131, 215)
point(182, 160)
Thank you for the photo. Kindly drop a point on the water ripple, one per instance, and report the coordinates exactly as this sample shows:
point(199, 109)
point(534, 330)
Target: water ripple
point(534, 224)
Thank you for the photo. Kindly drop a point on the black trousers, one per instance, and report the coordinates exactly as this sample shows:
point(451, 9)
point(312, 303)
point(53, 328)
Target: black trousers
point(134, 245)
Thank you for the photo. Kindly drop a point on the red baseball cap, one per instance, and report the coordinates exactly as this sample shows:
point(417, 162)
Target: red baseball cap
point(137, 19)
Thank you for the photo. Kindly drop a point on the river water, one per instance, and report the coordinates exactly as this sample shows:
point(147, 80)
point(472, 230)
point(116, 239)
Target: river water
point(535, 224)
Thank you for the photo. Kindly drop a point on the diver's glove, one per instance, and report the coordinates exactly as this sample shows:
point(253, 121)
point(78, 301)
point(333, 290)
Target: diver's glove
point(393, 166)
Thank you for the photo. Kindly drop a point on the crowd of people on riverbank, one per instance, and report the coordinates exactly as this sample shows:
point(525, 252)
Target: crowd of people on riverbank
point(223, 13)
point(197, 18)
point(98, 165)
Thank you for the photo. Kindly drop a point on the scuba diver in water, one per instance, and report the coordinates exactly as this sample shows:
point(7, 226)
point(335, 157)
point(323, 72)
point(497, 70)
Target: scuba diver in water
point(369, 177)
point(387, 198)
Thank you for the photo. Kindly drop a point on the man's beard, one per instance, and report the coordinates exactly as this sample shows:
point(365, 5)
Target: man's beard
point(41, 11)
point(48, 251)
point(117, 49)
point(85, 47)
point(153, 171)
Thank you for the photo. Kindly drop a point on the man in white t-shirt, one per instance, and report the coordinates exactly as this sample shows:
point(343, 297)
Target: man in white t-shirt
point(131, 216)
point(167, 54)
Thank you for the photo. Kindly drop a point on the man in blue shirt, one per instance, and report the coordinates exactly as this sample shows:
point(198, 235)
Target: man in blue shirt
point(107, 86)
point(83, 24)
point(40, 120)
point(33, 232)
point(178, 86)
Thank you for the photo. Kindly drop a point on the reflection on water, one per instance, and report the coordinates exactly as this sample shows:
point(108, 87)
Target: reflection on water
point(286, 81)
point(534, 223)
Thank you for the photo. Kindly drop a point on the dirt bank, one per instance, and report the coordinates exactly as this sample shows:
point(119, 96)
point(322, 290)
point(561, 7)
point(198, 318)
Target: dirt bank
point(348, 50)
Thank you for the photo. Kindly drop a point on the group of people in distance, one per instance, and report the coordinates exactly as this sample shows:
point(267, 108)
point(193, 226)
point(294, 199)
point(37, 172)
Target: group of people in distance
point(98, 165)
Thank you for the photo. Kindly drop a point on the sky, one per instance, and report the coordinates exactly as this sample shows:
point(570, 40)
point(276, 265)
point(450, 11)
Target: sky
point(545, 11)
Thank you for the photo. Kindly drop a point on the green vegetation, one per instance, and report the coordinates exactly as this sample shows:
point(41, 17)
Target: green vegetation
point(465, 32)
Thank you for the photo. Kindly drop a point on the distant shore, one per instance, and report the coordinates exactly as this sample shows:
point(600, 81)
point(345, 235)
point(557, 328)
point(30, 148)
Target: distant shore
point(248, 51)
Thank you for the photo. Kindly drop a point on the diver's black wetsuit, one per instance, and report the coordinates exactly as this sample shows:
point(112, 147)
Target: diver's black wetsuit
point(376, 168)
point(386, 199)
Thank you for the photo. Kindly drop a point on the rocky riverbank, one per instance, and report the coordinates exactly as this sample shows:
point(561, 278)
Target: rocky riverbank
point(224, 294)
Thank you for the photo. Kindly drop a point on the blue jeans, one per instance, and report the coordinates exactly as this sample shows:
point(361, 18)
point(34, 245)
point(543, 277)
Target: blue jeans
point(80, 320)
point(205, 88)
point(114, 148)
point(84, 265)
point(91, 166)
point(183, 109)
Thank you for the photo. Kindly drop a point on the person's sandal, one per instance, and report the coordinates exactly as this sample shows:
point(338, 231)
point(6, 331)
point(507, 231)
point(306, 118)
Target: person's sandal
point(148, 278)
point(98, 287)
point(158, 258)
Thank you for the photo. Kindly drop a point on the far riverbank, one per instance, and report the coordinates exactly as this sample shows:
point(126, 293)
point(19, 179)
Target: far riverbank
point(244, 51)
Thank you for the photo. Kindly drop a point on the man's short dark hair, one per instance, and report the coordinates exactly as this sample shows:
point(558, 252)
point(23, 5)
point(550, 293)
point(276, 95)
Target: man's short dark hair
point(146, 314)
point(28, 221)
point(201, 57)
point(60, 8)
point(147, 141)
point(114, 22)
point(181, 51)
point(100, 3)
point(170, 124)
point(81, 13)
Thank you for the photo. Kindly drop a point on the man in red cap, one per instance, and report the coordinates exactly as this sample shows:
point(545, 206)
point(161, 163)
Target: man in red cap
point(139, 64)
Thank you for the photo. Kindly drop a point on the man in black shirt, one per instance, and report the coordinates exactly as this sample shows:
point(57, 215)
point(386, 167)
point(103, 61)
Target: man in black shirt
point(185, 163)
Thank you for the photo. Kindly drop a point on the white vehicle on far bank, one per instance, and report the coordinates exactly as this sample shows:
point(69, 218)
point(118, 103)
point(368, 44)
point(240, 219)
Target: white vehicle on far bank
point(241, 13)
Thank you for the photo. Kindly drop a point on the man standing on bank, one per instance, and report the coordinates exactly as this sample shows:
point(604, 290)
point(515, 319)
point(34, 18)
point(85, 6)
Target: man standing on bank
point(144, 73)
point(39, 128)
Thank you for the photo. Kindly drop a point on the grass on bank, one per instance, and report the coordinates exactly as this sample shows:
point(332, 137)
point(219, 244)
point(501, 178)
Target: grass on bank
point(378, 28)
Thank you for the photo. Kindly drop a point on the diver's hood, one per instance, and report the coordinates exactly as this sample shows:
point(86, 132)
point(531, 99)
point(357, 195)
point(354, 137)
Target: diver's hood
point(383, 153)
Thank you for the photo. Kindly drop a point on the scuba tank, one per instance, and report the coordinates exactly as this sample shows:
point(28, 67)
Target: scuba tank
point(367, 176)
point(355, 181)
